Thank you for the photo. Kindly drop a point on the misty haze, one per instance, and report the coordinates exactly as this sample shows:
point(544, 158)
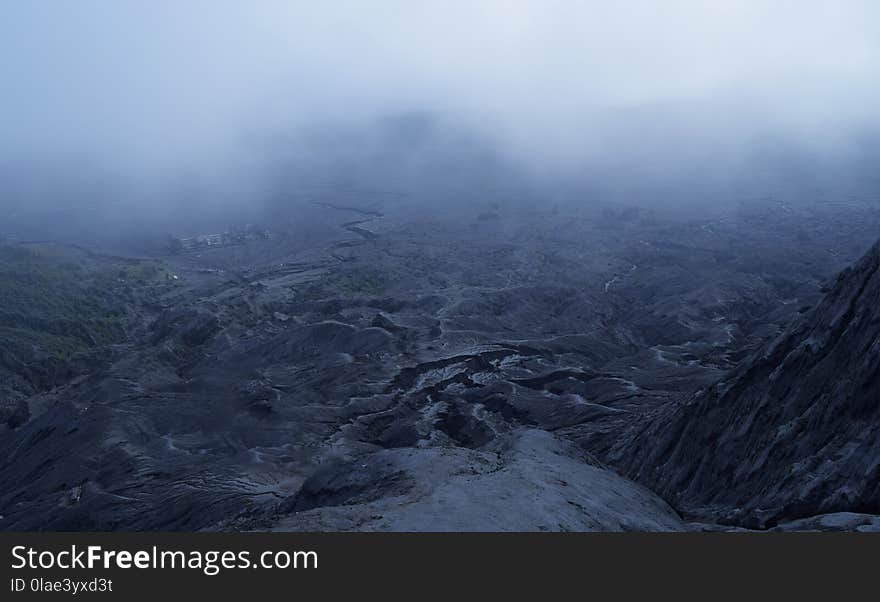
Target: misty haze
point(439, 266)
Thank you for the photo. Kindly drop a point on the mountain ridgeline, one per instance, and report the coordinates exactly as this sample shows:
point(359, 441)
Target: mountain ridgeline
point(793, 432)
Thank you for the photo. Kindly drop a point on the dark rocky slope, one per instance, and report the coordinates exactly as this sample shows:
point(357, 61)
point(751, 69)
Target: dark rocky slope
point(794, 432)
point(444, 374)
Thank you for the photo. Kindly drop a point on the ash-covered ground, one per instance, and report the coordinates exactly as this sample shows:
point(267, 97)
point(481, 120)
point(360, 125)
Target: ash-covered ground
point(374, 367)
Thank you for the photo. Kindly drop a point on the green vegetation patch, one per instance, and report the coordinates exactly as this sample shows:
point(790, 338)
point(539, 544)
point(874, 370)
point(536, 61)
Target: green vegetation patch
point(54, 303)
point(364, 281)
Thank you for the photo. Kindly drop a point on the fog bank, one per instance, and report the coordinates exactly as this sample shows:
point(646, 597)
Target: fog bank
point(165, 109)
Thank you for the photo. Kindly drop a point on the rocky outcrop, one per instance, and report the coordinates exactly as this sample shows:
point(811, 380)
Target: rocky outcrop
point(531, 482)
point(187, 326)
point(794, 432)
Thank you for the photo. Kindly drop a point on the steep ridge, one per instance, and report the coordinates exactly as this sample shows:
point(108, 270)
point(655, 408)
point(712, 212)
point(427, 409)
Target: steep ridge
point(794, 432)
